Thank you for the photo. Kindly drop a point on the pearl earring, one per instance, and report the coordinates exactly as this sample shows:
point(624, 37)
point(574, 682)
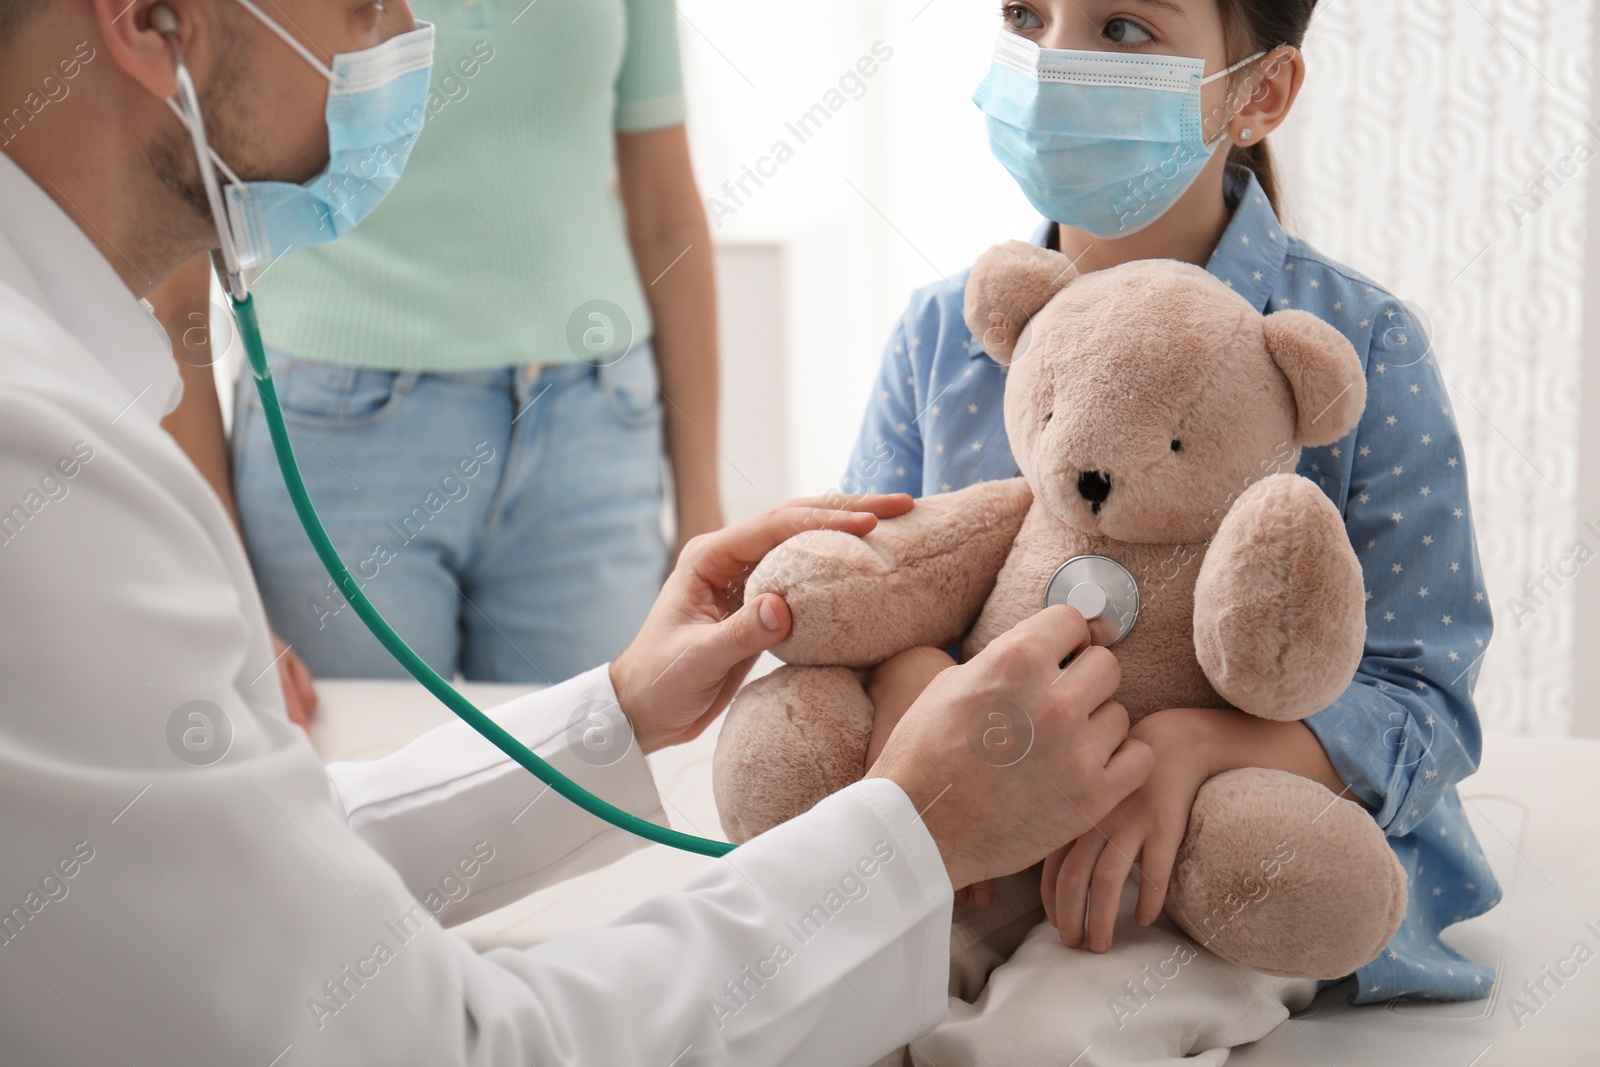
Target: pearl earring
point(1246, 133)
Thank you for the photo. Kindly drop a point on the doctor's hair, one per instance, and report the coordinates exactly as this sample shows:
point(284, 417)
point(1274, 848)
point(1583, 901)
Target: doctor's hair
point(1260, 26)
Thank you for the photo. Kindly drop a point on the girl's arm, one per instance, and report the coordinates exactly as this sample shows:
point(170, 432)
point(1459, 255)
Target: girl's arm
point(671, 246)
point(1407, 730)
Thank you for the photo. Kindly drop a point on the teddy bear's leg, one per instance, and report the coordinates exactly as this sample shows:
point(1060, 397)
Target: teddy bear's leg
point(1278, 874)
point(789, 739)
point(1279, 604)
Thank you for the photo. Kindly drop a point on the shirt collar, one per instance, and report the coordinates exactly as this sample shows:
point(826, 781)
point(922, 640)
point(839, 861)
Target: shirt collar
point(50, 261)
point(1251, 254)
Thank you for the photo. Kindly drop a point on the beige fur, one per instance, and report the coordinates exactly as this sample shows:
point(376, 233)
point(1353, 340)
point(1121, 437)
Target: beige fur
point(1250, 591)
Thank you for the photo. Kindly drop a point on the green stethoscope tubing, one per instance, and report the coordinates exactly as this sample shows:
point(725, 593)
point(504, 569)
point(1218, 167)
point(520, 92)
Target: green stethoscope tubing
point(245, 313)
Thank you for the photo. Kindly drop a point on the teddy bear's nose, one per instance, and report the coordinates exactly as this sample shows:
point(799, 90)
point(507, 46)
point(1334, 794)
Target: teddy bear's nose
point(1094, 487)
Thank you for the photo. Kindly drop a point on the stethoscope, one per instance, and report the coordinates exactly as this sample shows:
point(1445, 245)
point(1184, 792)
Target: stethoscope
point(1098, 587)
point(1103, 592)
point(164, 21)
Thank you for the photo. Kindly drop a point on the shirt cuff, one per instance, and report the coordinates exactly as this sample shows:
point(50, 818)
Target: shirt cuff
point(1347, 729)
point(636, 116)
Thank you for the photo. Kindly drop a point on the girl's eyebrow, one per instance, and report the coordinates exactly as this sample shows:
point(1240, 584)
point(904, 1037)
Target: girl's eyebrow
point(1165, 5)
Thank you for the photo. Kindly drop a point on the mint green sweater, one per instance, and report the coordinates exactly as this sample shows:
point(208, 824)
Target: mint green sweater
point(506, 222)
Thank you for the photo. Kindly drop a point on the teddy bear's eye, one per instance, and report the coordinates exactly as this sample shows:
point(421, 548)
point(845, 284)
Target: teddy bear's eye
point(1047, 417)
point(1177, 445)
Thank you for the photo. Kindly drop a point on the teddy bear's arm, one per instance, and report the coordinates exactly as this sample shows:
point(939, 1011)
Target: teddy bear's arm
point(1279, 604)
point(919, 579)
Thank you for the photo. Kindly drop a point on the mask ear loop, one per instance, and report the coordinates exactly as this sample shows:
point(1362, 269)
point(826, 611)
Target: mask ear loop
point(1207, 80)
point(165, 22)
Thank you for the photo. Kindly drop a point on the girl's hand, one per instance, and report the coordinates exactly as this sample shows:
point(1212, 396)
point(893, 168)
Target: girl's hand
point(1082, 884)
point(980, 893)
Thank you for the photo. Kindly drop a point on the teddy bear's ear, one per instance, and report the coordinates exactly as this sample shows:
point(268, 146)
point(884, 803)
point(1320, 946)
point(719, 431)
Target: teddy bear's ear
point(1008, 286)
point(1330, 392)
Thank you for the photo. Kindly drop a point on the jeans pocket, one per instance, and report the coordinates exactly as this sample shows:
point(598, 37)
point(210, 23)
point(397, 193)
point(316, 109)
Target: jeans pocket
point(334, 396)
point(632, 387)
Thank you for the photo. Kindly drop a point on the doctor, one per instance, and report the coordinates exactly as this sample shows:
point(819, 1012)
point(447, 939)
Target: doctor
point(184, 884)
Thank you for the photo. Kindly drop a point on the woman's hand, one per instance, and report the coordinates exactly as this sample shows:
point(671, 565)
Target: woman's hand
point(701, 637)
point(1082, 884)
point(299, 695)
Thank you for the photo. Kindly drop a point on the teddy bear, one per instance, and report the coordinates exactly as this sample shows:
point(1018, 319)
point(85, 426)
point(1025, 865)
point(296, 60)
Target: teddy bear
point(1156, 419)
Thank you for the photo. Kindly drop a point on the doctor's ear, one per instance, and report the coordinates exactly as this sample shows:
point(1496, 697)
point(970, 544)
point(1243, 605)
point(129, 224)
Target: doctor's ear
point(1009, 285)
point(137, 39)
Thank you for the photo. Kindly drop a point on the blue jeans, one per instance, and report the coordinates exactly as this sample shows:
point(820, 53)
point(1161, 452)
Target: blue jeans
point(506, 522)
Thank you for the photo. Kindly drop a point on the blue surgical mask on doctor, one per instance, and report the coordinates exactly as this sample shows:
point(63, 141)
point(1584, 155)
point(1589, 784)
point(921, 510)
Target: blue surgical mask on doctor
point(1105, 142)
point(376, 105)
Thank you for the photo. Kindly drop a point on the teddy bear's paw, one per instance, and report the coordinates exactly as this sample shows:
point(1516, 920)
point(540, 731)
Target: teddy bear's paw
point(916, 579)
point(1279, 605)
point(1279, 875)
point(789, 739)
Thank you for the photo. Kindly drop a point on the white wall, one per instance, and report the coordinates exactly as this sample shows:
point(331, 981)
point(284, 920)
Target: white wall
point(897, 190)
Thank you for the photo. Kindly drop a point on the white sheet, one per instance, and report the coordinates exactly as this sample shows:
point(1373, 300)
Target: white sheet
point(1535, 805)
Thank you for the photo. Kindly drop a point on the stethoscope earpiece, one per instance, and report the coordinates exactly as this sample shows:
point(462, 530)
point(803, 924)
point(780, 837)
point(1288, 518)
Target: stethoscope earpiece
point(163, 20)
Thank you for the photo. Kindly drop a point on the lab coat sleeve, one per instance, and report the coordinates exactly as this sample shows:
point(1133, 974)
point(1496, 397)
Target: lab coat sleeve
point(180, 887)
point(824, 941)
point(449, 794)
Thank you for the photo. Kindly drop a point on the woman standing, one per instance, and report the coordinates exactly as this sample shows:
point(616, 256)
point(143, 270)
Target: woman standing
point(483, 378)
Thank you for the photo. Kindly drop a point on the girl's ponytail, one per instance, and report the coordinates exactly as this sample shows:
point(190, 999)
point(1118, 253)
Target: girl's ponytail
point(1258, 158)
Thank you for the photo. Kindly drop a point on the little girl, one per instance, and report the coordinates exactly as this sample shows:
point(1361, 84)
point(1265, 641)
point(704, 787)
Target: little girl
point(1099, 125)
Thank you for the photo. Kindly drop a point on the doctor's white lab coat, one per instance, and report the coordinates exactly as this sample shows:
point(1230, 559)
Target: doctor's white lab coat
point(185, 892)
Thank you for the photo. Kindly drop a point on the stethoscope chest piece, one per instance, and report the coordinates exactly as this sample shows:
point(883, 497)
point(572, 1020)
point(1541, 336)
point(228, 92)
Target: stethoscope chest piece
point(1102, 590)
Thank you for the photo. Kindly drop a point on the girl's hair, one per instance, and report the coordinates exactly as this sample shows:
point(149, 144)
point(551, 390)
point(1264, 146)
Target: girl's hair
point(1253, 26)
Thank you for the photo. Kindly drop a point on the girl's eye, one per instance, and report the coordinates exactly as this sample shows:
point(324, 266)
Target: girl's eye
point(1126, 32)
point(1020, 18)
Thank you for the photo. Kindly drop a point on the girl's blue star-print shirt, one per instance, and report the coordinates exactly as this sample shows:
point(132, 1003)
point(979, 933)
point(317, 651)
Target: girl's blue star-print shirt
point(1406, 730)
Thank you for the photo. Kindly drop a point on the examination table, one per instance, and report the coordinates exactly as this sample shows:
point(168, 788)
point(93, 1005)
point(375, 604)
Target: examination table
point(1535, 806)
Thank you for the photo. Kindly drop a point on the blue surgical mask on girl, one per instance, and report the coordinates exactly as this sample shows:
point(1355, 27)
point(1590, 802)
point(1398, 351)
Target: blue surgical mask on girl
point(1105, 142)
point(377, 101)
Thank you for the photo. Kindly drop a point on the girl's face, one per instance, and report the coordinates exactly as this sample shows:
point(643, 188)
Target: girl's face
point(1191, 28)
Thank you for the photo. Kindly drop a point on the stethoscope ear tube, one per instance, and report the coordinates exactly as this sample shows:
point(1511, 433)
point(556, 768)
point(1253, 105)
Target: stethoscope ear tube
point(249, 329)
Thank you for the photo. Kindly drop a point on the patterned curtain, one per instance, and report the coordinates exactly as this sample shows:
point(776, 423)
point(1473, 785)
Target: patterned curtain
point(1442, 147)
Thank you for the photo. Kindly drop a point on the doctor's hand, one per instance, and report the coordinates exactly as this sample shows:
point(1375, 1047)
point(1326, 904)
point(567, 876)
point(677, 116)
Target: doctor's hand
point(701, 637)
point(1010, 754)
